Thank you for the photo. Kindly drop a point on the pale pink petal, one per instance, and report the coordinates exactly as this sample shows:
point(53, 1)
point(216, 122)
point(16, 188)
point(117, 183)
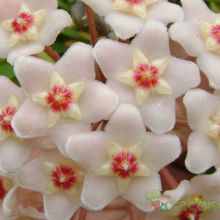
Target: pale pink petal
point(206, 184)
point(3, 217)
point(196, 10)
point(64, 129)
point(41, 142)
point(172, 12)
point(8, 88)
point(30, 120)
point(182, 190)
point(202, 153)
point(209, 64)
point(188, 35)
point(101, 8)
point(126, 125)
point(34, 74)
point(125, 93)
point(113, 57)
point(94, 144)
point(160, 150)
point(58, 206)
point(153, 47)
point(74, 67)
point(98, 191)
point(4, 50)
point(158, 113)
point(24, 50)
point(119, 23)
point(9, 202)
point(138, 189)
point(32, 176)
point(200, 105)
point(51, 29)
point(97, 101)
point(13, 154)
point(42, 4)
point(9, 8)
point(181, 75)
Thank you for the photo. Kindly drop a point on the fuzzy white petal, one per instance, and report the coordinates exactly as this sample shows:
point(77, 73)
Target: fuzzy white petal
point(30, 71)
point(51, 29)
point(202, 153)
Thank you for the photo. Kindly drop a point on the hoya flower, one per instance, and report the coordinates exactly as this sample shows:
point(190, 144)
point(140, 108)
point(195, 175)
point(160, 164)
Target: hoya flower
point(62, 98)
point(124, 160)
point(58, 179)
point(14, 151)
point(145, 74)
point(27, 26)
point(196, 199)
point(17, 203)
point(203, 111)
point(127, 17)
point(199, 36)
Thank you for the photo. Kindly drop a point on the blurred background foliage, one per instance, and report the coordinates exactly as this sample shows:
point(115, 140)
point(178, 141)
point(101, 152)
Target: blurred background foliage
point(79, 31)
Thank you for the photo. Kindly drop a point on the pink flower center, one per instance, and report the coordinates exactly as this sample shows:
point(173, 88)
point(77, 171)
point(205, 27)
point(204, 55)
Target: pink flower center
point(6, 116)
point(215, 32)
point(64, 177)
point(22, 23)
point(60, 98)
point(132, 2)
point(124, 164)
point(3, 191)
point(146, 76)
point(191, 212)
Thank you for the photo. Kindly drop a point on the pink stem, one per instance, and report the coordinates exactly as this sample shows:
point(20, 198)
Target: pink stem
point(183, 123)
point(93, 31)
point(52, 53)
point(82, 214)
point(169, 178)
point(132, 211)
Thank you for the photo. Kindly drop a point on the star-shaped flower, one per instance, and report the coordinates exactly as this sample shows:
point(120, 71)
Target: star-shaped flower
point(25, 26)
point(203, 144)
point(62, 98)
point(124, 163)
point(146, 77)
point(195, 199)
point(14, 151)
point(199, 36)
point(145, 74)
point(58, 179)
point(119, 13)
point(124, 160)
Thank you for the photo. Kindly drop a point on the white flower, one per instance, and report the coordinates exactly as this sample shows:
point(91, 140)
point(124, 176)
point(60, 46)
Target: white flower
point(62, 98)
point(204, 142)
point(144, 73)
point(26, 27)
point(127, 17)
point(197, 199)
point(14, 151)
point(123, 160)
point(199, 36)
point(58, 179)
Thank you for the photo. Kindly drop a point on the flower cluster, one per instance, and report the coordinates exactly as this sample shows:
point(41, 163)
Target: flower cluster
point(69, 139)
